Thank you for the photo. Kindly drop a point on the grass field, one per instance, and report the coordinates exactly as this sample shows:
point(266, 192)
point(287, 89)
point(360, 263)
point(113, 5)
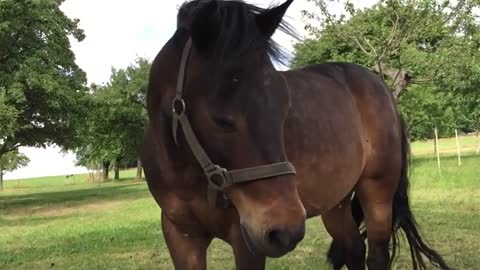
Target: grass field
point(54, 223)
point(467, 144)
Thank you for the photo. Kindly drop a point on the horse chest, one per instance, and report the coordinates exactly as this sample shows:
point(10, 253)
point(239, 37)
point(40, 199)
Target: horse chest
point(192, 213)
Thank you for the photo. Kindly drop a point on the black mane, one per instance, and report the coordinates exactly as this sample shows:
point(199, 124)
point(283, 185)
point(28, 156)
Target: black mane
point(235, 27)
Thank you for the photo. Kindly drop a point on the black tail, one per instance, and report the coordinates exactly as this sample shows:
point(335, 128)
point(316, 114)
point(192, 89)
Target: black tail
point(403, 218)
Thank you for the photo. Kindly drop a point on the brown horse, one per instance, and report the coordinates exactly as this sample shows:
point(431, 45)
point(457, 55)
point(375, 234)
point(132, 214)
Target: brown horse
point(337, 123)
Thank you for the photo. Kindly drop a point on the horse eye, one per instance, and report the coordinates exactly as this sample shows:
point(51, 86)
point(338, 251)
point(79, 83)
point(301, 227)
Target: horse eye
point(227, 124)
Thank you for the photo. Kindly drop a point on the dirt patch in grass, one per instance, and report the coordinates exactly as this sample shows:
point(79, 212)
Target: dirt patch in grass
point(64, 210)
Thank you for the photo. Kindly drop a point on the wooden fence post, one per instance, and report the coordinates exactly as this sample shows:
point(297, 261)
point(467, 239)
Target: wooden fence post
point(478, 141)
point(438, 152)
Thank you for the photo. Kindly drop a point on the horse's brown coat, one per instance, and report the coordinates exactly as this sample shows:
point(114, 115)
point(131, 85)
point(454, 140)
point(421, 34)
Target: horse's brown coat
point(337, 123)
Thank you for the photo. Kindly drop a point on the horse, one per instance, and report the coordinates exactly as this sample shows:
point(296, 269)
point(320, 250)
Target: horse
point(240, 151)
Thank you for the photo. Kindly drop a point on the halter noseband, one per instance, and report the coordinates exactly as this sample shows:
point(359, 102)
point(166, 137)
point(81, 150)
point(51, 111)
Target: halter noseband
point(218, 178)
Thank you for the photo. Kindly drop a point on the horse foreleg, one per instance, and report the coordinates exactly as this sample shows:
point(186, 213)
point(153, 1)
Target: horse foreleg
point(187, 247)
point(348, 245)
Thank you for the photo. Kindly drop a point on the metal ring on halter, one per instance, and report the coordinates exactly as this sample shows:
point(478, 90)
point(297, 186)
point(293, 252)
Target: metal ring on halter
point(180, 109)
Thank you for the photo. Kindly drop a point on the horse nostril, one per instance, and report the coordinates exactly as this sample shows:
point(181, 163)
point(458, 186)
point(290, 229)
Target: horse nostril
point(279, 238)
point(285, 239)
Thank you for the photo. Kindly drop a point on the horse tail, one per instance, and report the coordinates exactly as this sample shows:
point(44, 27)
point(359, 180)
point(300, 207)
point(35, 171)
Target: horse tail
point(403, 218)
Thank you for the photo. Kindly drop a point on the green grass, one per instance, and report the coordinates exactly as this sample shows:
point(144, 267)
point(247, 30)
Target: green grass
point(51, 223)
point(467, 143)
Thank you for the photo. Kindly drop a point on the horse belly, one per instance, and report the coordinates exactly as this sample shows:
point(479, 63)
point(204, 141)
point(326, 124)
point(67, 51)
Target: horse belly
point(325, 175)
point(325, 141)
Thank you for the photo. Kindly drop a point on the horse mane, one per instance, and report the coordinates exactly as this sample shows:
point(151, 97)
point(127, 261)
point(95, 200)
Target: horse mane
point(236, 28)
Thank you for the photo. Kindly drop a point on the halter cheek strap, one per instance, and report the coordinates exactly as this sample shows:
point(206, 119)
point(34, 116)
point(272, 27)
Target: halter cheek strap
point(218, 178)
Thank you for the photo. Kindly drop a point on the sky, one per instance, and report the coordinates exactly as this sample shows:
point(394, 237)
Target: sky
point(118, 32)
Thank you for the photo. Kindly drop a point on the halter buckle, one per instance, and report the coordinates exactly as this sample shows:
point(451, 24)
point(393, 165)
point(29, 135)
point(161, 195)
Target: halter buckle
point(217, 177)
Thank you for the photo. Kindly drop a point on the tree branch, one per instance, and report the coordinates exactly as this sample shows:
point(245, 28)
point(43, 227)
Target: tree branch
point(361, 47)
point(398, 74)
point(401, 78)
point(388, 44)
point(371, 47)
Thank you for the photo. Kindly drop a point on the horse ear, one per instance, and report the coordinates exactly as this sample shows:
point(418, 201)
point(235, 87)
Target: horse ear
point(269, 20)
point(204, 29)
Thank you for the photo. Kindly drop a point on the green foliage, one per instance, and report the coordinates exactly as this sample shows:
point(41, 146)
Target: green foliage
point(427, 108)
point(11, 161)
point(41, 87)
point(428, 47)
point(117, 117)
point(428, 38)
point(468, 108)
point(424, 109)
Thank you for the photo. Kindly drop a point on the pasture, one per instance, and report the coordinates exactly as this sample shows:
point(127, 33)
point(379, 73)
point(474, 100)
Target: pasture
point(54, 223)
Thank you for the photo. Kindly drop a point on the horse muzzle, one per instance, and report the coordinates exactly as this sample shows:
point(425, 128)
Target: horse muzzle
point(274, 241)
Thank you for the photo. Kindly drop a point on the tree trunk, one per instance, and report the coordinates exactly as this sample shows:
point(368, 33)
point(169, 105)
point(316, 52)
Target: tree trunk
point(106, 167)
point(139, 169)
point(400, 78)
point(400, 86)
point(478, 141)
point(117, 170)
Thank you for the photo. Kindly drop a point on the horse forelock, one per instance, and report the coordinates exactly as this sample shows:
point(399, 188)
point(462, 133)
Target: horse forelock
point(237, 31)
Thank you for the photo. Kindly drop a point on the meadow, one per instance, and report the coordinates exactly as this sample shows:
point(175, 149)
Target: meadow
point(467, 143)
point(59, 223)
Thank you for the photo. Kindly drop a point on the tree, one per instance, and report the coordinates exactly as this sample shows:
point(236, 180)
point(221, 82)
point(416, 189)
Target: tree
point(427, 108)
point(41, 87)
point(90, 138)
point(430, 48)
point(115, 123)
point(130, 85)
point(405, 41)
point(11, 161)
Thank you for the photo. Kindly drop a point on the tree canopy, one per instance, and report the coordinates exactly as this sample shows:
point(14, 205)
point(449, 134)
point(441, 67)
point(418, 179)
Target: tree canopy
point(406, 41)
point(41, 86)
point(114, 125)
point(428, 47)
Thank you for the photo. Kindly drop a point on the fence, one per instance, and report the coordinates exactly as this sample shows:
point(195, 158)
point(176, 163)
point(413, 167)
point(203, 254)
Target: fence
point(460, 145)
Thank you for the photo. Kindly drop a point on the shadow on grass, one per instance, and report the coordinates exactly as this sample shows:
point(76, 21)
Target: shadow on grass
point(75, 197)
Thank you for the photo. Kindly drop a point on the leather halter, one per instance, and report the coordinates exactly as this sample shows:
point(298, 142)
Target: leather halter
point(218, 178)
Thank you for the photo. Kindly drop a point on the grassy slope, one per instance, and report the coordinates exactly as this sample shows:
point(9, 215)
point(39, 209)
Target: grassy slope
point(48, 224)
